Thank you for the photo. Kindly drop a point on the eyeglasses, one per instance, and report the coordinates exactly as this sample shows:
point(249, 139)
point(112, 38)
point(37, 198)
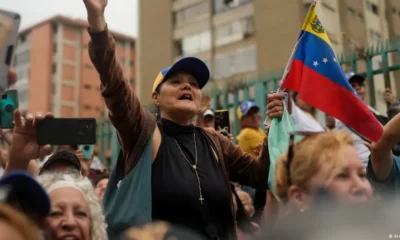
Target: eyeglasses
point(290, 153)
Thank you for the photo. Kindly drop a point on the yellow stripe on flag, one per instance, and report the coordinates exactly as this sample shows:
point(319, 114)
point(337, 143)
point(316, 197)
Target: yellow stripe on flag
point(314, 26)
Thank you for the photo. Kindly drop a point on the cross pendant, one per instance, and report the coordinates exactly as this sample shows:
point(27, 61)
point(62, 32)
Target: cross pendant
point(201, 200)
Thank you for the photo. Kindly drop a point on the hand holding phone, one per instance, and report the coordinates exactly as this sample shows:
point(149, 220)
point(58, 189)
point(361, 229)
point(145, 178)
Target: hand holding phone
point(221, 122)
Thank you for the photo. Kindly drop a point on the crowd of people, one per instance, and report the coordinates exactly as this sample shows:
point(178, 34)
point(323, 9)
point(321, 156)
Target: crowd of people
point(176, 177)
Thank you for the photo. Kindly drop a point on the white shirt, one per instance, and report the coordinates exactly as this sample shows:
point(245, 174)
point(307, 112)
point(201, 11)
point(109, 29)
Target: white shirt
point(362, 150)
point(96, 164)
point(303, 121)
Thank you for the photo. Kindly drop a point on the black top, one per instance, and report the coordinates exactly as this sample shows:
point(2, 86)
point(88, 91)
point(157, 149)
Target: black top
point(175, 190)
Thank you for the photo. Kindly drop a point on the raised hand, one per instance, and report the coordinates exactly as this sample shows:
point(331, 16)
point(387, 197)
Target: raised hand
point(24, 146)
point(95, 10)
point(389, 96)
point(275, 105)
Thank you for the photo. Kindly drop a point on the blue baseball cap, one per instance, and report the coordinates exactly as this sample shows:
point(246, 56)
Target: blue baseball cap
point(194, 66)
point(244, 108)
point(27, 193)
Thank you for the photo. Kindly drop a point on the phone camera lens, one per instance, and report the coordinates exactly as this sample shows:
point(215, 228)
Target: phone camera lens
point(86, 148)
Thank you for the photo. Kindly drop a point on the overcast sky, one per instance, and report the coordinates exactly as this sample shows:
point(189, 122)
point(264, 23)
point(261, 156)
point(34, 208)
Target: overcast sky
point(121, 14)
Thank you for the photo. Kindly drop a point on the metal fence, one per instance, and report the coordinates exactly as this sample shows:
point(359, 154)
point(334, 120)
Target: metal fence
point(232, 95)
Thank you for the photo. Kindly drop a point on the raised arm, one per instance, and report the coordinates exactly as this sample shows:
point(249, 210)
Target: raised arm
point(381, 151)
point(125, 110)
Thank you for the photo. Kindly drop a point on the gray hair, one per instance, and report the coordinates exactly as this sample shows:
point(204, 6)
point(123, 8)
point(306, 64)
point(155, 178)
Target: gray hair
point(96, 216)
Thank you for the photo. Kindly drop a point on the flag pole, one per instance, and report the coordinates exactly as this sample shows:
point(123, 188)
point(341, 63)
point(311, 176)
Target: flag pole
point(289, 64)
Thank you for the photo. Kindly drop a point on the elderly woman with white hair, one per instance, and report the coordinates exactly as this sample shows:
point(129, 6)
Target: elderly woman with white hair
point(75, 210)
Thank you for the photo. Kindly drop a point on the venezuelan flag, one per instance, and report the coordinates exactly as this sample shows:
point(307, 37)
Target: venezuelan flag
point(314, 72)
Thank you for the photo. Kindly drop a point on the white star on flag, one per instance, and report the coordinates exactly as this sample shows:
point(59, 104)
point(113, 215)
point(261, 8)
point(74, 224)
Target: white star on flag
point(334, 59)
point(315, 63)
point(325, 60)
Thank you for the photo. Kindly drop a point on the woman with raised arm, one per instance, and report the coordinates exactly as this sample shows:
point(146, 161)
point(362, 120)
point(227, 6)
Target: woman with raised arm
point(169, 170)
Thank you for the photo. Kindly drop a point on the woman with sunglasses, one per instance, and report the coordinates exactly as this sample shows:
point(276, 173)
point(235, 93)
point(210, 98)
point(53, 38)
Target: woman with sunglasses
point(325, 160)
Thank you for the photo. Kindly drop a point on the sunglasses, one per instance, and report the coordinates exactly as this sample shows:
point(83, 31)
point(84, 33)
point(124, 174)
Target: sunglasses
point(290, 153)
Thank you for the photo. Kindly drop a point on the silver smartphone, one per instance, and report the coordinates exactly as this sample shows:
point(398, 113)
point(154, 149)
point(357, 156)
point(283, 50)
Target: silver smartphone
point(9, 27)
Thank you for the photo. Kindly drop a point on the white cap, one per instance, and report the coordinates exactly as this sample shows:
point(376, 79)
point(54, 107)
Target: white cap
point(208, 112)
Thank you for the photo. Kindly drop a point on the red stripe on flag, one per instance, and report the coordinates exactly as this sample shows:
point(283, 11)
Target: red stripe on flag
point(333, 99)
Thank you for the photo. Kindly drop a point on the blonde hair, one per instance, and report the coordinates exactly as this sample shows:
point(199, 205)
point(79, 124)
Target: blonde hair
point(98, 225)
point(19, 222)
point(309, 155)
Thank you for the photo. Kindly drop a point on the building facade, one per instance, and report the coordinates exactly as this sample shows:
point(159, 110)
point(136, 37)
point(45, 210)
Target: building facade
point(240, 39)
point(55, 73)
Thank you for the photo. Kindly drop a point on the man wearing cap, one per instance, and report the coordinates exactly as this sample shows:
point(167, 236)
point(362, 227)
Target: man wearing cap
point(250, 119)
point(61, 161)
point(208, 119)
point(358, 83)
point(170, 170)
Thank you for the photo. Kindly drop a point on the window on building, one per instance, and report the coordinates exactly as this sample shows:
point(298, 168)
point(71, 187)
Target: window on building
point(231, 3)
point(131, 63)
point(22, 38)
point(240, 61)
point(54, 47)
point(234, 31)
point(55, 28)
point(132, 81)
point(351, 11)
point(190, 13)
point(87, 107)
point(394, 10)
point(361, 17)
point(196, 43)
point(88, 66)
point(373, 8)
point(54, 67)
point(178, 47)
point(224, 5)
point(87, 86)
point(22, 58)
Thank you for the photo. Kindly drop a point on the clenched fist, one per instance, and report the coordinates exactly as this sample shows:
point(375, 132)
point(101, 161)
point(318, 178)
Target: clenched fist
point(95, 10)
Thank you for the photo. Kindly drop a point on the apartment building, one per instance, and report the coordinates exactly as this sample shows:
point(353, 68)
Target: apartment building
point(55, 72)
point(243, 38)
